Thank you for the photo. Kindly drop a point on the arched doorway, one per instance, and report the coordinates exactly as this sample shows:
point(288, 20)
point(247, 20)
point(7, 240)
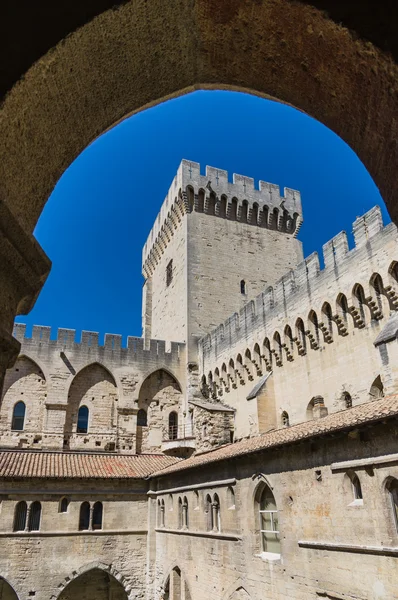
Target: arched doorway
point(94, 585)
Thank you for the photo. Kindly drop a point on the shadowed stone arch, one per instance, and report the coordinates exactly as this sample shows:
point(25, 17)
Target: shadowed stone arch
point(24, 382)
point(7, 591)
point(160, 394)
point(95, 387)
point(95, 77)
point(115, 579)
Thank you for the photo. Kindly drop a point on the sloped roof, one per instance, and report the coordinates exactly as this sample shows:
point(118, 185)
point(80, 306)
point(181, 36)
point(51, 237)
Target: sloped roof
point(212, 406)
point(258, 387)
point(370, 412)
point(389, 331)
point(58, 465)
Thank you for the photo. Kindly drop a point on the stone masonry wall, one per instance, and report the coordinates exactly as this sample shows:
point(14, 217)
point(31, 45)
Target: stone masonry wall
point(43, 563)
point(56, 377)
point(332, 546)
point(222, 253)
point(330, 357)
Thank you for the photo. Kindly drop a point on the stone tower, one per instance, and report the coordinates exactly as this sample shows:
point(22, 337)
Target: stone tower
point(214, 246)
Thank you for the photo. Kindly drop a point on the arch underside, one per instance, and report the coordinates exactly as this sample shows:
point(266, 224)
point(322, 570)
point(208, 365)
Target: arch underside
point(116, 65)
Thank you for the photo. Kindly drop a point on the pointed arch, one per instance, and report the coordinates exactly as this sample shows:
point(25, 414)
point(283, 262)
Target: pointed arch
point(109, 580)
point(326, 324)
point(7, 591)
point(300, 337)
point(24, 396)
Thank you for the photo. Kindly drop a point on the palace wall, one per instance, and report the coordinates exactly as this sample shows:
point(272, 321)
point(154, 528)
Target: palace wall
point(333, 546)
point(332, 354)
point(54, 378)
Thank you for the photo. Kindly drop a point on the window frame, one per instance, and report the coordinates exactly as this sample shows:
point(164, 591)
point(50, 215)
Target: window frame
point(16, 417)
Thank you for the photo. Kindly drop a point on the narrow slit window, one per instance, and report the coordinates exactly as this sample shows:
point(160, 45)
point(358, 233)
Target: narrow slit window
point(243, 286)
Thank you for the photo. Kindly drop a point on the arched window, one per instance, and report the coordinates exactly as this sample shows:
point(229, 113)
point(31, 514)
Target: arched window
point(142, 419)
point(97, 515)
point(34, 516)
point(209, 513)
point(173, 425)
point(392, 489)
point(18, 416)
point(84, 517)
point(243, 286)
point(377, 388)
point(63, 505)
point(223, 207)
point(230, 498)
point(21, 511)
point(269, 523)
point(180, 517)
point(185, 516)
point(82, 420)
point(285, 419)
point(356, 487)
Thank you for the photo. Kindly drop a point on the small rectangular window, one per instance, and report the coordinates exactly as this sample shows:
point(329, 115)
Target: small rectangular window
point(169, 273)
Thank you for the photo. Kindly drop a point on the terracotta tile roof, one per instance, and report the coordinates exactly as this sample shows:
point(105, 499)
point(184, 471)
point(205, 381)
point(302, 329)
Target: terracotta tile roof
point(53, 465)
point(370, 412)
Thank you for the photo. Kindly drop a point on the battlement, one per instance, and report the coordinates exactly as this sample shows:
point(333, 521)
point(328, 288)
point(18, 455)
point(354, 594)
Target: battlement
point(214, 195)
point(369, 234)
point(65, 339)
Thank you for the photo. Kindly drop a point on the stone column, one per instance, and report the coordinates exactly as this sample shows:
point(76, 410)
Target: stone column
point(23, 270)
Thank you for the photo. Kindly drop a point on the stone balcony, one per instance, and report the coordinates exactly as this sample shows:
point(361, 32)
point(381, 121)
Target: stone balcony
point(180, 441)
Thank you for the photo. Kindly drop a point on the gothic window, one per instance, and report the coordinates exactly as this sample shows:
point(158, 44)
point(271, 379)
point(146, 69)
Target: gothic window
point(269, 522)
point(21, 511)
point(392, 489)
point(34, 516)
point(84, 517)
point(97, 515)
point(142, 418)
point(173, 425)
point(209, 513)
point(243, 287)
point(82, 420)
point(356, 487)
point(18, 416)
point(377, 388)
point(231, 498)
point(180, 516)
point(169, 272)
point(185, 516)
point(63, 505)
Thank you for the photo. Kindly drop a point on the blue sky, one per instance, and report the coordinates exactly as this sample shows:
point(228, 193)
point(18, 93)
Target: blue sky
point(100, 213)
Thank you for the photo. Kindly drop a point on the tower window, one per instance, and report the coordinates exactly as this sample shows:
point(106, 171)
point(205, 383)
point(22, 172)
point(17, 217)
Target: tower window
point(169, 273)
point(243, 287)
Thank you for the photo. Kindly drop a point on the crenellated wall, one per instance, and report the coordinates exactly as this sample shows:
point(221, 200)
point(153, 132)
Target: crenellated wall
point(236, 201)
point(312, 333)
point(54, 377)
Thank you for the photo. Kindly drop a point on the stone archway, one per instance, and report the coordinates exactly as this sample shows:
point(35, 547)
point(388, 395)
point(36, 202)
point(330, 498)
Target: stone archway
point(96, 581)
point(6, 591)
point(142, 53)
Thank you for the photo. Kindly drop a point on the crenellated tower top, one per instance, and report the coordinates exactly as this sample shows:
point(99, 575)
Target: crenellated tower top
point(214, 195)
